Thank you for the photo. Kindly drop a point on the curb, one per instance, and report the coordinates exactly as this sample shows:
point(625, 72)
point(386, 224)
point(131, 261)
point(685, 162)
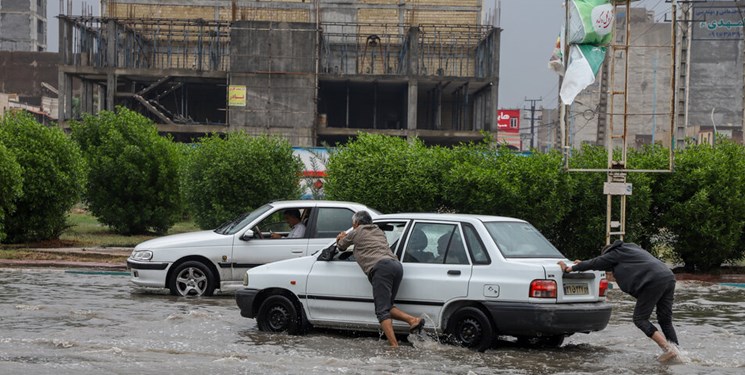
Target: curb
point(60, 264)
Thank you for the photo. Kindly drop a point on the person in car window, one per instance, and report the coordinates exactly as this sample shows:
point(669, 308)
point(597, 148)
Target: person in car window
point(292, 217)
point(383, 270)
point(645, 278)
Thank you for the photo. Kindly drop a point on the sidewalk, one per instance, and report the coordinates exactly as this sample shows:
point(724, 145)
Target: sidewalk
point(122, 252)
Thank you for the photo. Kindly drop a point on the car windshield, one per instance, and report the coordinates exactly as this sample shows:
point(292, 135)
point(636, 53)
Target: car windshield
point(233, 226)
point(521, 240)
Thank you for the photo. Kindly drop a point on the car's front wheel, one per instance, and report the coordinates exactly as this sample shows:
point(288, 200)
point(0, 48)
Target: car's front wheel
point(278, 314)
point(192, 279)
point(471, 328)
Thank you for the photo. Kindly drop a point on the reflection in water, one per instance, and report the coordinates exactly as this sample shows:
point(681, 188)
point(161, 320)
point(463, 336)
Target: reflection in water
point(53, 322)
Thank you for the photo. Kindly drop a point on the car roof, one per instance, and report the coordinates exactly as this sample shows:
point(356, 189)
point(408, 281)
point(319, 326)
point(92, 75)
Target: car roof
point(447, 217)
point(325, 203)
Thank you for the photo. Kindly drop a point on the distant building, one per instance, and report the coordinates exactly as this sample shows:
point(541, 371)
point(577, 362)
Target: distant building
point(23, 25)
point(313, 72)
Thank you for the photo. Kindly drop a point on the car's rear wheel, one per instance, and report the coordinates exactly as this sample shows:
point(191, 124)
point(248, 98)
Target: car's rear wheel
point(278, 314)
point(471, 328)
point(192, 279)
point(542, 341)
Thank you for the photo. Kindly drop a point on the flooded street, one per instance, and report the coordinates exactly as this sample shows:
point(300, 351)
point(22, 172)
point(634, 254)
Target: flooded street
point(55, 322)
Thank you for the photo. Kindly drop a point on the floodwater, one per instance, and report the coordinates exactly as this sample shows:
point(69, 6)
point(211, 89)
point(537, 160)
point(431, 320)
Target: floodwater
point(55, 322)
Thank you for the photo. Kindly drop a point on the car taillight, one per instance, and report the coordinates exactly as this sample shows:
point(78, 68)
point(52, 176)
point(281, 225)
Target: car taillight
point(542, 289)
point(603, 287)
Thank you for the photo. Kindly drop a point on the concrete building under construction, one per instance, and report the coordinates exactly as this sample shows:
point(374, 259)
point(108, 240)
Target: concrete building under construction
point(311, 71)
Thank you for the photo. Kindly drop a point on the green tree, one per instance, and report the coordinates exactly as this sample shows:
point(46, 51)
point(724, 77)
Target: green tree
point(53, 175)
point(228, 176)
point(500, 182)
point(703, 204)
point(133, 183)
point(11, 184)
point(390, 174)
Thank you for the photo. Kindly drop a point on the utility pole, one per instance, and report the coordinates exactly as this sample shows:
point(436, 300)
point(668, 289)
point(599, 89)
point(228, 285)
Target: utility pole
point(532, 119)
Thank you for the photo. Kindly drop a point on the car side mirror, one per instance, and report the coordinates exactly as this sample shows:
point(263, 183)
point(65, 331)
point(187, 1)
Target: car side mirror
point(249, 234)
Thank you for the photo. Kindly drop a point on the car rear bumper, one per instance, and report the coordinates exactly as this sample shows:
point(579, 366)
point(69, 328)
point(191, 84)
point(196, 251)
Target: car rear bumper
point(548, 319)
point(245, 300)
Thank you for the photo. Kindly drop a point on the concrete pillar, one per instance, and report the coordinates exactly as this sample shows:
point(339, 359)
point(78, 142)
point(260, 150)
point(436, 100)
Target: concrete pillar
point(86, 101)
point(411, 115)
point(412, 59)
point(64, 101)
point(100, 100)
point(110, 91)
point(493, 107)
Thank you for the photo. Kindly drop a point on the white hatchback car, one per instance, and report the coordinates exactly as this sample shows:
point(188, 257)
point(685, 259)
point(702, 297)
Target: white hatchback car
point(197, 263)
point(474, 277)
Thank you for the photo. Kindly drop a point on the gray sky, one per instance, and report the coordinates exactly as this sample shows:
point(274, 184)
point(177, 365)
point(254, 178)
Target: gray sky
point(530, 29)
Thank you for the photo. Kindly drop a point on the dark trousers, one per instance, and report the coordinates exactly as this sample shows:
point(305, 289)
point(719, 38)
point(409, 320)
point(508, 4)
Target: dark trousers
point(661, 296)
point(385, 277)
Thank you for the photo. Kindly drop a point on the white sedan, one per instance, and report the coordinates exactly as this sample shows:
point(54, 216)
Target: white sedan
point(473, 277)
point(197, 263)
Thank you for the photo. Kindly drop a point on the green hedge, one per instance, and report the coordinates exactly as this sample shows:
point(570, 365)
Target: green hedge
point(701, 206)
point(133, 182)
point(53, 173)
point(389, 174)
point(227, 176)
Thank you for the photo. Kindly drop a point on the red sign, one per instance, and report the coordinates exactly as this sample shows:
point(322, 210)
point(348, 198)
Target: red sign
point(508, 120)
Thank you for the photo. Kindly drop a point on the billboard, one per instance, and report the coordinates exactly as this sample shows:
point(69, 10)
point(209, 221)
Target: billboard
point(508, 120)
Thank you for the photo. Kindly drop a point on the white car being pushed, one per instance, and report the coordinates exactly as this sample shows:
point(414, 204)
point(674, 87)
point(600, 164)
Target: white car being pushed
point(473, 277)
point(197, 263)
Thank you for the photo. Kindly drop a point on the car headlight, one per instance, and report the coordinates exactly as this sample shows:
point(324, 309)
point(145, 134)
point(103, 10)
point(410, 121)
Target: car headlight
point(142, 255)
point(245, 279)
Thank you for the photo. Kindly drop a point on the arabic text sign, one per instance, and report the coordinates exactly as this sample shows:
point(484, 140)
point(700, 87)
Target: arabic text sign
point(508, 120)
point(237, 96)
point(719, 23)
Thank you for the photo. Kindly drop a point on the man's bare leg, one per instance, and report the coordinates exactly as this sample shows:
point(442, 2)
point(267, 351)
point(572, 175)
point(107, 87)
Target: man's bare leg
point(670, 351)
point(399, 314)
point(387, 326)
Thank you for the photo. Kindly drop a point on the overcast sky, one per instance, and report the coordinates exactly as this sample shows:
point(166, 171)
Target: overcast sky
point(530, 28)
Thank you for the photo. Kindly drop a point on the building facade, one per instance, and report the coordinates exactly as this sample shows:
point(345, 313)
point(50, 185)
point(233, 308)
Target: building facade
point(311, 71)
point(23, 25)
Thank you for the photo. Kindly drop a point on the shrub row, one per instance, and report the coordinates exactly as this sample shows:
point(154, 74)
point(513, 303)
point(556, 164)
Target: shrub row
point(132, 179)
point(135, 181)
point(699, 209)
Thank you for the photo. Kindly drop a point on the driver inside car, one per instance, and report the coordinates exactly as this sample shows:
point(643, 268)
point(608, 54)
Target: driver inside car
point(292, 217)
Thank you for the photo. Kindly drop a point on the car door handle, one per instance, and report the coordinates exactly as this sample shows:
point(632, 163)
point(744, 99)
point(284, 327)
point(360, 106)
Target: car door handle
point(454, 272)
point(297, 251)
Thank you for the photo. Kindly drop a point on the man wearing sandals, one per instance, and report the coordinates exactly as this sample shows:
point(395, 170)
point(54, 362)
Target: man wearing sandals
point(645, 278)
point(383, 270)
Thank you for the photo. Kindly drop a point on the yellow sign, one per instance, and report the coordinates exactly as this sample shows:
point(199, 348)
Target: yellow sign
point(237, 96)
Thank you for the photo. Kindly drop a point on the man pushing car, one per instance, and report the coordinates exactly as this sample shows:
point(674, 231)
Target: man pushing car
point(383, 270)
point(645, 278)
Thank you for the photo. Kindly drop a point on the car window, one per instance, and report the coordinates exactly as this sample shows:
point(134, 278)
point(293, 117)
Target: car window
point(475, 246)
point(393, 232)
point(275, 222)
point(435, 243)
point(232, 227)
point(332, 220)
point(521, 240)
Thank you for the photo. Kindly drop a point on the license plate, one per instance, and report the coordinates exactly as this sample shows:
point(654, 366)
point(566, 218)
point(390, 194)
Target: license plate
point(576, 289)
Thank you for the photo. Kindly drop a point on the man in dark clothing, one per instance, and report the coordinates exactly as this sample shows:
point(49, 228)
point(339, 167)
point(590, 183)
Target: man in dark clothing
point(383, 270)
point(645, 278)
